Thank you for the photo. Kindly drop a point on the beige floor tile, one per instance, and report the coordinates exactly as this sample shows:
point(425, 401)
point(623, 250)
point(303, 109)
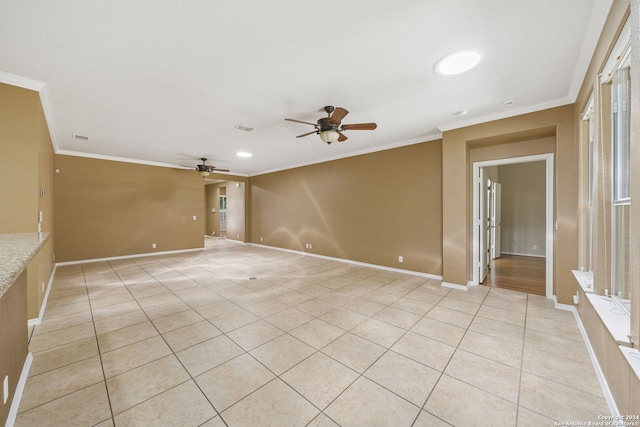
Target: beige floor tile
point(233, 319)
point(158, 299)
point(355, 352)
point(289, 319)
point(60, 337)
point(413, 306)
point(317, 333)
point(397, 317)
point(63, 355)
point(230, 382)
point(275, 404)
point(457, 304)
point(579, 375)
point(461, 404)
point(61, 322)
point(133, 355)
point(216, 308)
point(184, 337)
point(282, 353)
point(163, 310)
point(320, 379)
point(559, 401)
point(485, 374)
point(322, 421)
point(214, 422)
point(551, 313)
point(293, 298)
point(170, 409)
point(517, 305)
point(425, 419)
point(120, 321)
point(343, 318)
point(425, 297)
point(403, 376)
point(125, 336)
point(502, 315)
point(379, 332)
point(553, 327)
point(65, 310)
point(50, 385)
point(424, 350)
point(502, 351)
point(86, 407)
point(368, 404)
point(177, 320)
point(555, 344)
point(139, 384)
point(475, 294)
point(114, 310)
point(315, 307)
point(255, 334)
point(209, 354)
point(440, 331)
point(508, 294)
point(381, 296)
point(367, 308)
point(498, 329)
point(266, 308)
point(527, 418)
point(104, 300)
point(453, 317)
point(337, 298)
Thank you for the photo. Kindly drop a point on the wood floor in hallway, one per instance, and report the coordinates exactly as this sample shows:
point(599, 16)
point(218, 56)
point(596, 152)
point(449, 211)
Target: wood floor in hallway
point(518, 273)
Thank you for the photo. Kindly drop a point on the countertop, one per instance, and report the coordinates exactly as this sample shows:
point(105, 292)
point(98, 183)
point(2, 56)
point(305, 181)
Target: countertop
point(16, 250)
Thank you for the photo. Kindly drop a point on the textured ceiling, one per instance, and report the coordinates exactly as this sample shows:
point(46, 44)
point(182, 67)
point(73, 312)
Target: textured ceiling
point(168, 81)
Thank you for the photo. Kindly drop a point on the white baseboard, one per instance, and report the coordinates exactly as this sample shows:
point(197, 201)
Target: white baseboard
point(529, 255)
point(15, 403)
point(348, 261)
point(456, 286)
point(38, 320)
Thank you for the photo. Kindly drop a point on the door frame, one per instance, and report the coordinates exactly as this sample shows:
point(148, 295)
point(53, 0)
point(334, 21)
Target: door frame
point(549, 218)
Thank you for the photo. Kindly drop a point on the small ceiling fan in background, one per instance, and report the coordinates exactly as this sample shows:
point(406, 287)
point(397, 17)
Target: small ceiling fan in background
point(205, 170)
point(330, 128)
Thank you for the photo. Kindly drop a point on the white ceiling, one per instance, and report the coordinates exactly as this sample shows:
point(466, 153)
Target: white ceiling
point(168, 81)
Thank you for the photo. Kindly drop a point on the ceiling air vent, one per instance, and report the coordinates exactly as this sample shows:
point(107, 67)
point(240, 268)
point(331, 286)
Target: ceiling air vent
point(80, 137)
point(245, 128)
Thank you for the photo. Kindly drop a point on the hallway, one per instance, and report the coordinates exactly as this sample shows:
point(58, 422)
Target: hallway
point(518, 273)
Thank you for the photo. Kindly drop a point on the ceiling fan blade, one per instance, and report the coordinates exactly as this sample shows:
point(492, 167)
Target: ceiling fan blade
point(220, 170)
point(300, 121)
point(342, 137)
point(338, 114)
point(306, 134)
point(359, 126)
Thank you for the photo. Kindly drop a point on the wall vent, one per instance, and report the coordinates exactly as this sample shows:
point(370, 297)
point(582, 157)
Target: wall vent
point(80, 137)
point(245, 128)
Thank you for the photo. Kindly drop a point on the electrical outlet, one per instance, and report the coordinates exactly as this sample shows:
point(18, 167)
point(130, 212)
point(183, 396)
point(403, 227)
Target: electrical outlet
point(5, 389)
point(194, 217)
point(42, 286)
point(261, 239)
point(400, 258)
point(535, 247)
point(153, 246)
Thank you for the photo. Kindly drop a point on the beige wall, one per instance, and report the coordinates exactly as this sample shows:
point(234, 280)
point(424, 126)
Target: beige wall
point(523, 208)
point(19, 133)
point(26, 168)
point(370, 208)
point(106, 208)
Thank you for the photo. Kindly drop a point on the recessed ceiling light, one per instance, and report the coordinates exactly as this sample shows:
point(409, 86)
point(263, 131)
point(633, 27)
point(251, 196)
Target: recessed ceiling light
point(459, 62)
point(243, 154)
point(509, 103)
point(245, 128)
point(461, 113)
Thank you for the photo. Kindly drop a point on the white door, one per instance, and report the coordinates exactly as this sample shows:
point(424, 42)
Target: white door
point(496, 219)
point(482, 224)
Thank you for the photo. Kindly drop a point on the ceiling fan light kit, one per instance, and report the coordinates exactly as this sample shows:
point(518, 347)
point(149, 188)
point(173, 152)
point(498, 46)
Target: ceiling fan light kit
point(204, 170)
point(330, 128)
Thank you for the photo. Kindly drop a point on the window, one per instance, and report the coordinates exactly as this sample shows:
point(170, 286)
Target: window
point(621, 200)
point(588, 116)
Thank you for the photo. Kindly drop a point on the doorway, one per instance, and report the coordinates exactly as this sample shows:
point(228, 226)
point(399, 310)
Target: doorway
point(490, 263)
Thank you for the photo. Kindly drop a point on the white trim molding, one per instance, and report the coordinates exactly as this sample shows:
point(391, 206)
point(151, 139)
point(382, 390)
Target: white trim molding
point(17, 396)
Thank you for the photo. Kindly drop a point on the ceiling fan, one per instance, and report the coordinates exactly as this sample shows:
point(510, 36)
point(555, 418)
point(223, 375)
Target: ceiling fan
point(330, 128)
point(204, 170)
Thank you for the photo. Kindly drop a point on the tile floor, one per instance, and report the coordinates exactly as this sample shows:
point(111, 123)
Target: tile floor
point(241, 335)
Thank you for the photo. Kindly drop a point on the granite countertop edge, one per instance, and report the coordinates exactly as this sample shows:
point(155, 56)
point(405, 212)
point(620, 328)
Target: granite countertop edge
point(16, 250)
